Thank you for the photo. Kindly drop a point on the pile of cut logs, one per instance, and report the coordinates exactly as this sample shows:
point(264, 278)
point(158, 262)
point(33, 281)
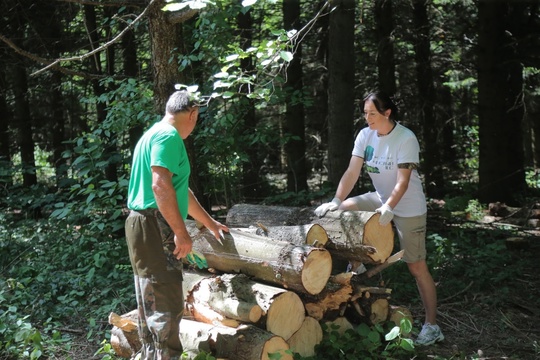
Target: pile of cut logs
point(274, 279)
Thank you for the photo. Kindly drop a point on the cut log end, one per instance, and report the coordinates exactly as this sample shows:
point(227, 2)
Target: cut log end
point(316, 271)
point(275, 345)
point(255, 314)
point(316, 236)
point(286, 315)
point(307, 337)
point(373, 232)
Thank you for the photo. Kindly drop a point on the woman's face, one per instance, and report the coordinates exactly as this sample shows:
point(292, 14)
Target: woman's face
point(374, 118)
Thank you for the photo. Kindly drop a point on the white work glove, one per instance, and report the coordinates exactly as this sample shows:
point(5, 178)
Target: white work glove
point(386, 214)
point(329, 206)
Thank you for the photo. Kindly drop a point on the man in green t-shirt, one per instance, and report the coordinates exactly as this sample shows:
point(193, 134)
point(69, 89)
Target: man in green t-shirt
point(160, 200)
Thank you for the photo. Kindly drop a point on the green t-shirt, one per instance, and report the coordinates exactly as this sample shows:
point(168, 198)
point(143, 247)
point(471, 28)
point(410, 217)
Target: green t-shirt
point(162, 146)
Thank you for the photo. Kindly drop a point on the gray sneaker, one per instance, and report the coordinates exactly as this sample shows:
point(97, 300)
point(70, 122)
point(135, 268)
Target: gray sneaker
point(429, 335)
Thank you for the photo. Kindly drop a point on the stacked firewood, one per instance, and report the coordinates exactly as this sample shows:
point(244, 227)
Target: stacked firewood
point(274, 279)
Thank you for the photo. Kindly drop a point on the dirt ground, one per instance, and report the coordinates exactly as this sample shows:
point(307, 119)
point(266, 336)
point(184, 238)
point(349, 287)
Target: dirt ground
point(475, 329)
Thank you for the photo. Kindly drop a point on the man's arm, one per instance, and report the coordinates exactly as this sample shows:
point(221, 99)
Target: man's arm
point(197, 212)
point(165, 195)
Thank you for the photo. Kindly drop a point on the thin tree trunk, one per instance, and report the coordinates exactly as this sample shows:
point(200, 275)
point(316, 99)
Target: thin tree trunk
point(251, 180)
point(165, 39)
point(23, 121)
point(341, 94)
point(500, 83)
point(5, 138)
point(426, 95)
point(385, 56)
point(294, 116)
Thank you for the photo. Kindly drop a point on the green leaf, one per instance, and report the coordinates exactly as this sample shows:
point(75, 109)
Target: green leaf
point(175, 6)
point(394, 333)
point(407, 344)
point(248, 2)
point(286, 55)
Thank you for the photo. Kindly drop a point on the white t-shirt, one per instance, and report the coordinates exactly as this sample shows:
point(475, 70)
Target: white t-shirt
point(381, 155)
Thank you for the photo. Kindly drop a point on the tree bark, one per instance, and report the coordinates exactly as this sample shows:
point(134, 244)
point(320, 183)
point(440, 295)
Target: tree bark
point(385, 54)
point(500, 86)
point(294, 115)
point(353, 235)
point(247, 342)
point(337, 293)
point(341, 92)
point(312, 234)
point(235, 296)
point(300, 268)
point(426, 99)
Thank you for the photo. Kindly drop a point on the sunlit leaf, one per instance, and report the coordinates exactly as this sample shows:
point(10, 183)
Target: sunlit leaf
point(286, 55)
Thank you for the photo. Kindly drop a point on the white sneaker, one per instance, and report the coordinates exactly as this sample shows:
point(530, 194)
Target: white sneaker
point(429, 335)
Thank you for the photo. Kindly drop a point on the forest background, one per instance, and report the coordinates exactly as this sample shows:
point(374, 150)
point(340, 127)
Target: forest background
point(282, 83)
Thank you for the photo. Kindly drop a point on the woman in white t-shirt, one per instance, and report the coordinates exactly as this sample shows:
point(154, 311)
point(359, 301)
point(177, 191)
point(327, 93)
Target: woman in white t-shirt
point(390, 154)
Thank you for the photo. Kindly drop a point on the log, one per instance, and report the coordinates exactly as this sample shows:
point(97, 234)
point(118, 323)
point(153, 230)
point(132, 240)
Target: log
point(310, 234)
point(245, 215)
point(246, 342)
point(337, 292)
point(357, 235)
point(340, 324)
point(307, 337)
point(125, 339)
point(371, 304)
point(304, 268)
point(225, 300)
point(228, 294)
point(353, 235)
point(397, 313)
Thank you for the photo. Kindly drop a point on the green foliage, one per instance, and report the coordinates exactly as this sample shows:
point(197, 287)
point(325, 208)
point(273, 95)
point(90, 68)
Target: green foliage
point(381, 341)
point(18, 336)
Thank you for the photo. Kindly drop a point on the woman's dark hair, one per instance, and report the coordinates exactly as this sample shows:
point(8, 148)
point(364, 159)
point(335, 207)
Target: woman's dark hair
point(383, 102)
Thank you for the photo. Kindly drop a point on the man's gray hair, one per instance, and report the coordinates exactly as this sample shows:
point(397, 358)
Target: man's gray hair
point(179, 101)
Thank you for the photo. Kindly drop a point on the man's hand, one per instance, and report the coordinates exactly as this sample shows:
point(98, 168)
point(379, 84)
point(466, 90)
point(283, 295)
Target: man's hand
point(387, 214)
point(217, 229)
point(329, 206)
point(182, 246)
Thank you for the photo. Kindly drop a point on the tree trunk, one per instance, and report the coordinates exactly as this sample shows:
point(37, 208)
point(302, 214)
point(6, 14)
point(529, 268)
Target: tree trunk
point(300, 268)
point(426, 100)
point(294, 115)
point(166, 40)
point(500, 83)
point(5, 119)
point(385, 55)
point(341, 92)
point(252, 180)
point(23, 120)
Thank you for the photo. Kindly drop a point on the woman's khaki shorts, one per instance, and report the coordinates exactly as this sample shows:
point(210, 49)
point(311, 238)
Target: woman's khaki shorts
point(411, 231)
